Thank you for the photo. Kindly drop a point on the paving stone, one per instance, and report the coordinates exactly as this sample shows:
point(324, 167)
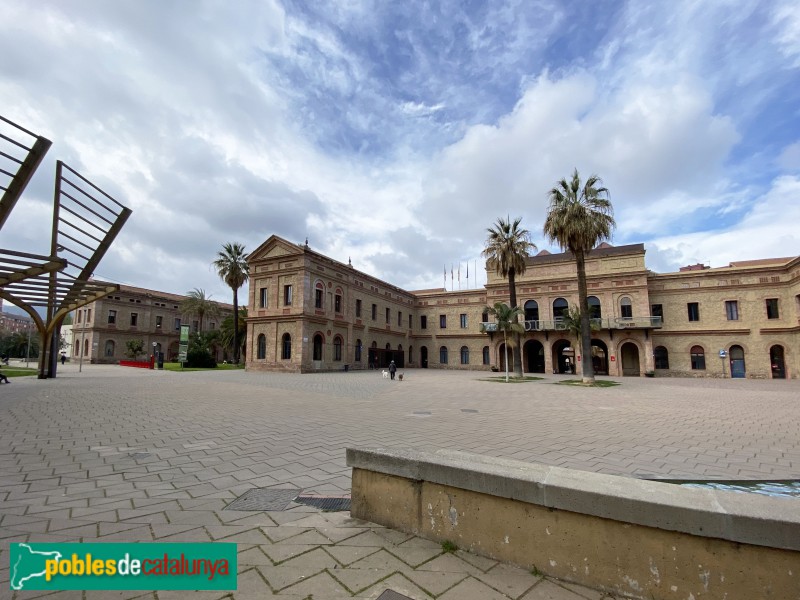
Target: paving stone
point(396, 583)
point(284, 552)
point(435, 583)
point(347, 555)
point(546, 590)
point(512, 581)
point(281, 577)
point(357, 580)
point(472, 589)
point(414, 556)
point(379, 560)
point(449, 563)
point(481, 562)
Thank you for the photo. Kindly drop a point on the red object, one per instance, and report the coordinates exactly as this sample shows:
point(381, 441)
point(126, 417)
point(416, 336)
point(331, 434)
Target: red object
point(579, 358)
point(135, 363)
point(613, 358)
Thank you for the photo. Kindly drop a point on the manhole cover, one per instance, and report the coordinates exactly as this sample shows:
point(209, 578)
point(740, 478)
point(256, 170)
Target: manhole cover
point(139, 455)
point(332, 503)
point(468, 410)
point(392, 595)
point(264, 499)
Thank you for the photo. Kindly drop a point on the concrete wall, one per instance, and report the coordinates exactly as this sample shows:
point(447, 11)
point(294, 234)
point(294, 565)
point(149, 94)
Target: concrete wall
point(635, 538)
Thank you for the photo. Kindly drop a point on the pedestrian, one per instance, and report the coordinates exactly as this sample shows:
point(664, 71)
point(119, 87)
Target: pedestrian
point(392, 369)
point(63, 358)
point(4, 379)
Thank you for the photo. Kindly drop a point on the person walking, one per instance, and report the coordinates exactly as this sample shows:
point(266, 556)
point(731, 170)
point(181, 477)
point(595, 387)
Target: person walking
point(392, 369)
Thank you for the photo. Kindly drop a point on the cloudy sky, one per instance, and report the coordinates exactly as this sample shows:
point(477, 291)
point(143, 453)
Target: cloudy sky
point(395, 133)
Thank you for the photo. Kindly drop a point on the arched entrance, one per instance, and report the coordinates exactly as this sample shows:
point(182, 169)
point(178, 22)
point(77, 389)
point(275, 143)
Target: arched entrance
point(777, 363)
point(630, 359)
point(423, 357)
point(501, 358)
point(317, 348)
point(736, 354)
point(599, 357)
point(534, 356)
point(563, 357)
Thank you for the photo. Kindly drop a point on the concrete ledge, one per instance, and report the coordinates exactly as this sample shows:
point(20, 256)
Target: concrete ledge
point(633, 538)
point(742, 518)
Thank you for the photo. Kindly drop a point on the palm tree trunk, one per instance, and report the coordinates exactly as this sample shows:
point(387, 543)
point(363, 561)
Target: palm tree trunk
point(505, 344)
point(235, 327)
point(587, 368)
point(516, 351)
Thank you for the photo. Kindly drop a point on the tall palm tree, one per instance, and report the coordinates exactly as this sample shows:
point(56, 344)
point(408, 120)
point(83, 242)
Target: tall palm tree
point(197, 303)
point(232, 267)
point(507, 247)
point(579, 217)
point(505, 320)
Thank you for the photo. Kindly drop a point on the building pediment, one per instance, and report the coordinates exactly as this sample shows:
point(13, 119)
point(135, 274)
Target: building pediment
point(275, 247)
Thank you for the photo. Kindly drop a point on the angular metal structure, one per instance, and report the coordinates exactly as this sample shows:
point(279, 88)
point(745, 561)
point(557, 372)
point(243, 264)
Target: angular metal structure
point(86, 220)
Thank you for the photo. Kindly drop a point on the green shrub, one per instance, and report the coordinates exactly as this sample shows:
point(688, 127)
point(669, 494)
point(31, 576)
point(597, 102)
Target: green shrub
point(201, 359)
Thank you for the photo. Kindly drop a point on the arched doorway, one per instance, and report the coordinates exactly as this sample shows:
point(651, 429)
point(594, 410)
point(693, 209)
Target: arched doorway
point(563, 357)
point(736, 354)
point(534, 356)
point(777, 363)
point(423, 357)
point(501, 358)
point(630, 359)
point(317, 347)
point(599, 357)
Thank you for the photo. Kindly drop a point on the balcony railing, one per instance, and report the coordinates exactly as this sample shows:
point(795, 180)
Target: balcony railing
point(648, 322)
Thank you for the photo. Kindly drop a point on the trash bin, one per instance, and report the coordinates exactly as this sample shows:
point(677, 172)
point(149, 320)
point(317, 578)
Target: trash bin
point(160, 360)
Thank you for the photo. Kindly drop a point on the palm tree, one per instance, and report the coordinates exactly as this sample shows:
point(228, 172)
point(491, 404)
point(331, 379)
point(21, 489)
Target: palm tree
point(507, 247)
point(226, 330)
point(197, 303)
point(505, 320)
point(580, 217)
point(232, 267)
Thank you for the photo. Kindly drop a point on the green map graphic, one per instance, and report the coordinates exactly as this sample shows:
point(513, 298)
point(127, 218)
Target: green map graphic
point(28, 564)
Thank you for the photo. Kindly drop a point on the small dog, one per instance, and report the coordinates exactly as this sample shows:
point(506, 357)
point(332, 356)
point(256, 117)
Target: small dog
point(385, 374)
point(400, 376)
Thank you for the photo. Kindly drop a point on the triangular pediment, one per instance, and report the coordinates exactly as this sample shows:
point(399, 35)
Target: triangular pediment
point(275, 247)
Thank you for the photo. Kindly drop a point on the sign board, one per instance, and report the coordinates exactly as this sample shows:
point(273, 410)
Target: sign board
point(722, 354)
point(183, 347)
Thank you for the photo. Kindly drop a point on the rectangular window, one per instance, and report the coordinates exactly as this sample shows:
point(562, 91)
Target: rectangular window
point(410, 322)
point(358, 308)
point(287, 295)
point(374, 312)
point(317, 298)
point(388, 315)
point(112, 317)
point(463, 321)
point(626, 311)
point(772, 308)
point(262, 298)
point(442, 321)
point(399, 319)
point(213, 325)
point(134, 319)
point(177, 324)
point(657, 310)
point(423, 322)
point(79, 316)
point(88, 315)
point(159, 321)
point(693, 309)
point(337, 303)
point(732, 310)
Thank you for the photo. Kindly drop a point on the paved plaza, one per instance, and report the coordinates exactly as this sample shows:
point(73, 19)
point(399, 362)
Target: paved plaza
point(115, 454)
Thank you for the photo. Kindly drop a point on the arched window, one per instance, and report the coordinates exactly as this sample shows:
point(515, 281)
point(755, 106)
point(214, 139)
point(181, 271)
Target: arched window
point(388, 346)
point(411, 354)
point(337, 301)
point(374, 344)
point(86, 347)
point(661, 356)
point(337, 348)
point(109, 348)
point(464, 355)
point(286, 347)
point(560, 309)
point(319, 295)
point(317, 347)
point(261, 347)
point(486, 355)
point(399, 347)
point(358, 351)
point(625, 308)
point(443, 355)
point(77, 350)
point(698, 356)
point(531, 310)
point(595, 312)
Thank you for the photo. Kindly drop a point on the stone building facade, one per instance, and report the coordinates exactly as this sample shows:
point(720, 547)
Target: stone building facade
point(101, 330)
point(310, 313)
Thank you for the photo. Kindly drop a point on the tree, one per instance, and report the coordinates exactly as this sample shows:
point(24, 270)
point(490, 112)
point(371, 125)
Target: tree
point(579, 217)
point(505, 321)
point(232, 267)
point(197, 303)
point(134, 348)
point(507, 247)
point(226, 331)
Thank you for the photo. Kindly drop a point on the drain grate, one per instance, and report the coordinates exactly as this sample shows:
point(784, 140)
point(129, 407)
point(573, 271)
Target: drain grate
point(392, 595)
point(140, 455)
point(264, 499)
point(331, 503)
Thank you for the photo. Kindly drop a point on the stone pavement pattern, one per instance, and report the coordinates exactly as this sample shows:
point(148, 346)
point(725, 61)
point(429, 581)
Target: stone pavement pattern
point(112, 454)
